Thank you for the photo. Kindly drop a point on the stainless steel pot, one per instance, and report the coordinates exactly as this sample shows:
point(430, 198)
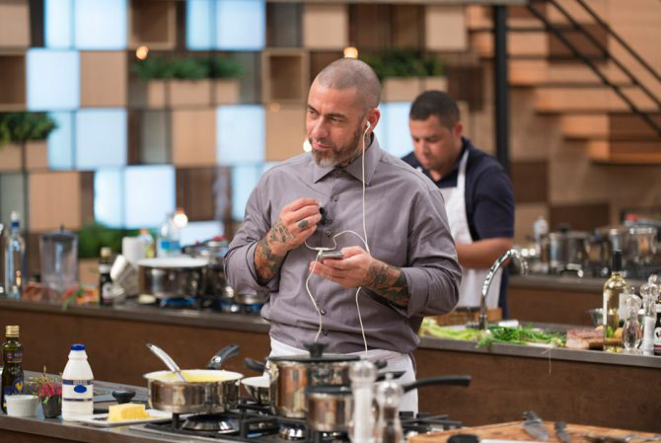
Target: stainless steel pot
point(568, 250)
point(330, 408)
point(289, 376)
point(210, 390)
point(258, 388)
point(641, 245)
point(172, 277)
point(213, 251)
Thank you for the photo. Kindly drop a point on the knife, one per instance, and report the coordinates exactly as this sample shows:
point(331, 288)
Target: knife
point(534, 427)
point(561, 431)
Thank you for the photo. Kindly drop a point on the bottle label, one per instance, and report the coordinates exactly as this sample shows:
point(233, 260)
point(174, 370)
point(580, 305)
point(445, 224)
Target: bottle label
point(104, 269)
point(15, 388)
point(77, 390)
point(15, 357)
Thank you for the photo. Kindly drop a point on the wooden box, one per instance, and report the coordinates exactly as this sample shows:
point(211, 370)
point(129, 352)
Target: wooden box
point(14, 24)
point(189, 93)
point(153, 24)
point(54, 200)
point(12, 78)
point(285, 131)
point(285, 75)
point(406, 89)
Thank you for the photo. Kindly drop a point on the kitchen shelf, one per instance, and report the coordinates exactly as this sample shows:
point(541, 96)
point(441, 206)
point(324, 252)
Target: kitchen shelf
point(285, 75)
point(12, 72)
point(153, 24)
point(14, 24)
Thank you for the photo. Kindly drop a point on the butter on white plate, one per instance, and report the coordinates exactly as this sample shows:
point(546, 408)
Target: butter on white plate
point(125, 415)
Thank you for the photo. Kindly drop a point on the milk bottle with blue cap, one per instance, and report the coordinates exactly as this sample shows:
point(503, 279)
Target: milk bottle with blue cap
point(77, 385)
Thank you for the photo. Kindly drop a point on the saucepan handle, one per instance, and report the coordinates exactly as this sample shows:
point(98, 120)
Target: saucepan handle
point(452, 380)
point(254, 365)
point(221, 356)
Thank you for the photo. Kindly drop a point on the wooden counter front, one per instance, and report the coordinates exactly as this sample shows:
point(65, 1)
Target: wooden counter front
point(513, 431)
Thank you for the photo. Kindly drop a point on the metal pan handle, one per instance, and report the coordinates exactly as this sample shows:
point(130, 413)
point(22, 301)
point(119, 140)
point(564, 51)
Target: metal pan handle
point(452, 380)
point(221, 356)
point(254, 365)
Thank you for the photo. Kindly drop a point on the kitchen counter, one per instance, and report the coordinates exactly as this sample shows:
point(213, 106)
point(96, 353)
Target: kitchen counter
point(560, 384)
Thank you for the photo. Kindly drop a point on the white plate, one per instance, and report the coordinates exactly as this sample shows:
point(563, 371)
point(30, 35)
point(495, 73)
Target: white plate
point(101, 420)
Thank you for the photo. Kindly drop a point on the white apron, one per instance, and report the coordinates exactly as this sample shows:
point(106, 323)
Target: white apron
point(472, 279)
point(396, 362)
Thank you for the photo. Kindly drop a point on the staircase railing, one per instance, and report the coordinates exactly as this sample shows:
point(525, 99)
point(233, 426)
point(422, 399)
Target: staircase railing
point(635, 81)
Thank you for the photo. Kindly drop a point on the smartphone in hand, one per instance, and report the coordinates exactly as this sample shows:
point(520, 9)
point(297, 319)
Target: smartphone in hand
point(331, 255)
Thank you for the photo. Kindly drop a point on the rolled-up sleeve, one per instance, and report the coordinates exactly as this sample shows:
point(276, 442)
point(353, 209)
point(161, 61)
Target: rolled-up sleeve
point(240, 259)
point(433, 273)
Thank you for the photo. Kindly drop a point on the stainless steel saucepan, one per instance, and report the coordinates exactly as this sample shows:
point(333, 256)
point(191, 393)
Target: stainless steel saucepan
point(171, 277)
point(210, 390)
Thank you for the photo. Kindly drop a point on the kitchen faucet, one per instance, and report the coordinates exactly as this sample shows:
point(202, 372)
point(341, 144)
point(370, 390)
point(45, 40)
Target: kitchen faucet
point(523, 264)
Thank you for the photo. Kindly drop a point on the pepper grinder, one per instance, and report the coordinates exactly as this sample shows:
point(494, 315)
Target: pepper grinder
point(363, 374)
point(389, 395)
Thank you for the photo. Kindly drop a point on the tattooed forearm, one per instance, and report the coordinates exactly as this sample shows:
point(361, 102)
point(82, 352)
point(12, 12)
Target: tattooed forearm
point(388, 282)
point(267, 260)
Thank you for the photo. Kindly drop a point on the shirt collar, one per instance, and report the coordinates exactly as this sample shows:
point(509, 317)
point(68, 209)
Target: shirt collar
point(355, 168)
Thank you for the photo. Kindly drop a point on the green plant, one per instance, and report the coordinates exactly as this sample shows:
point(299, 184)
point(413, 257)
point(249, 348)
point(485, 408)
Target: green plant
point(405, 64)
point(22, 127)
point(187, 68)
point(93, 236)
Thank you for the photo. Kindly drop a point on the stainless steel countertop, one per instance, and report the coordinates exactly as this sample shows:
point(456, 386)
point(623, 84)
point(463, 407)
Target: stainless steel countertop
point(249, 323)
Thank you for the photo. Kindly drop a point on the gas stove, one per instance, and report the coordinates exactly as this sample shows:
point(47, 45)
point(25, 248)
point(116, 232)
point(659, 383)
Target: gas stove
point(254, 423)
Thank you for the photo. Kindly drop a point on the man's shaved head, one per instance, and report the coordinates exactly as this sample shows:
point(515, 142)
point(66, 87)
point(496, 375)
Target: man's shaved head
point(348, 73)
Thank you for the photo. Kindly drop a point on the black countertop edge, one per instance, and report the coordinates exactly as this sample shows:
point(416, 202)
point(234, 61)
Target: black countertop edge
point(547, 353)
point(133, 311)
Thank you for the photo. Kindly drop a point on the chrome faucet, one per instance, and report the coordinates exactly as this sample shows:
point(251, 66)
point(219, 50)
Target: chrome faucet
point(523, 264)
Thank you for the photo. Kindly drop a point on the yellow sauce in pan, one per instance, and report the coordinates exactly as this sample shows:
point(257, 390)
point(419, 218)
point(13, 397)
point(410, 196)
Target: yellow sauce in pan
point(196, 376)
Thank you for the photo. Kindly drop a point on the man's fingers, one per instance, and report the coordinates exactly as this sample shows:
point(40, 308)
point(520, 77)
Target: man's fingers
point(301, 203)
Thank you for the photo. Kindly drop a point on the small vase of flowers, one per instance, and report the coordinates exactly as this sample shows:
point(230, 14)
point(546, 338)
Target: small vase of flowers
point(49, 390)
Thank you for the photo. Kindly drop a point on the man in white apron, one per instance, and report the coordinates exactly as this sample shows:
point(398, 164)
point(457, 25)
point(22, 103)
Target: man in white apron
point(478, 194)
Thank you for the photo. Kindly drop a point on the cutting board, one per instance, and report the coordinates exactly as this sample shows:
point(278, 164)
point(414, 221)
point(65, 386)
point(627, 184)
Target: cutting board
point(513, 431)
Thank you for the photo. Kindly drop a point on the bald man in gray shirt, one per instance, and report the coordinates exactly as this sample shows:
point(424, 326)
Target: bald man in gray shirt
point(399, 261)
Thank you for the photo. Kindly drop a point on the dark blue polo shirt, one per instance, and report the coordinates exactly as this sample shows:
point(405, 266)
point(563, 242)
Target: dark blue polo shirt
point(489, 197)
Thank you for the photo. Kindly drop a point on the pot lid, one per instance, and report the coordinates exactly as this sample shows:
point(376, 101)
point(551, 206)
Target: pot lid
point(316, 355)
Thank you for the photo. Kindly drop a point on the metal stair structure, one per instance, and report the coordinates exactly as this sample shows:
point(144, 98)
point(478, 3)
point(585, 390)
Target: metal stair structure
point(604, 93)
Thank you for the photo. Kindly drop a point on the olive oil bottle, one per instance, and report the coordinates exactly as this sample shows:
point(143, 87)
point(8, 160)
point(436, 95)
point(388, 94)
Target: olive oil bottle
point(12, 370)
point(614, 289)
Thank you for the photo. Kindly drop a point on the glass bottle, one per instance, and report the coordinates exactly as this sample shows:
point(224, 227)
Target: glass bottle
point(632, 333)
point(613, 289)
point(105, 281)
point(12, 371)
point(15, 260)
point(168, 238)
point(650, 294)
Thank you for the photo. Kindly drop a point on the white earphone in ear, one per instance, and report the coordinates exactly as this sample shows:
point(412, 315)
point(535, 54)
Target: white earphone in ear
point(369, 125)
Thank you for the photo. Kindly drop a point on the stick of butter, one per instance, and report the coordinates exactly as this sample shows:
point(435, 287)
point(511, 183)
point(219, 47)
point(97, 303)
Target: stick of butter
point(127, 411)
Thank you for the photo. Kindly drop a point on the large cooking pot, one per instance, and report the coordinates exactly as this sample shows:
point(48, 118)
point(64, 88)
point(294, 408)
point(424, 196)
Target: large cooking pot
point(568, 250)
point(208, 391)
point(172, 277)
point(637, 243)
point(289, 376)
point(213, 251)
point(330, 408)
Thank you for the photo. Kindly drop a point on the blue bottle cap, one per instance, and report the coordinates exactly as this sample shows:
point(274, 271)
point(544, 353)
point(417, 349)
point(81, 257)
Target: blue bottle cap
point(78, 347)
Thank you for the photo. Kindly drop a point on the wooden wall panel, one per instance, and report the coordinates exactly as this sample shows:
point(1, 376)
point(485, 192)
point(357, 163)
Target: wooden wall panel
point(582, 217)
point(195, 192)
point(325, 26)
point(530, 181)
point(12, 72)
point(285, 132)
point(103, 78)
point(194, 137)
point(14, 24)
point(283, 25)
point(445, 28)
point(54, 200)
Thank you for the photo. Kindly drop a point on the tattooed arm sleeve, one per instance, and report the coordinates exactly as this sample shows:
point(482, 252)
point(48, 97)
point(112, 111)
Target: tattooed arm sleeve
point(271, 251)
point(389, 282)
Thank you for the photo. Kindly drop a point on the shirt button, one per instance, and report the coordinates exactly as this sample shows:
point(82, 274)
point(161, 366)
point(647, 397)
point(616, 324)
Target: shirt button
point(323, 312)
point(336, 197)
point(329, 221)
point(328, 233)
point(325, 331)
